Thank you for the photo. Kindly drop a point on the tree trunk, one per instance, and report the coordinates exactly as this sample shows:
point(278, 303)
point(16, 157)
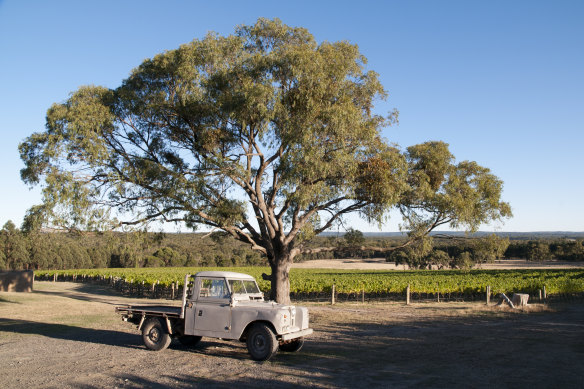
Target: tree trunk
point(280, 279)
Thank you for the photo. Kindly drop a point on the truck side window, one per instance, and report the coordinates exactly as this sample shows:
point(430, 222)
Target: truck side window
point(213, 288)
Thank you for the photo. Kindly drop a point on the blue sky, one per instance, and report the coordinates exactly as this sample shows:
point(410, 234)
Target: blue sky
point(501, 81)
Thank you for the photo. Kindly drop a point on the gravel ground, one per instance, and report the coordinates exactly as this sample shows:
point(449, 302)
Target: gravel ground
point(66, 335)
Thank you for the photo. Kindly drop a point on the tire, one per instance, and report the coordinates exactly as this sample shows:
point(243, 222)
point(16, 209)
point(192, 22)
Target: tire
point(155, 335)
point(292, 346)
point(189, 340)
point(261, 342)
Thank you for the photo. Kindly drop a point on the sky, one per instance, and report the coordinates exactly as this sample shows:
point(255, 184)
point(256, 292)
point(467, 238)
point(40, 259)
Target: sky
point(502, 82)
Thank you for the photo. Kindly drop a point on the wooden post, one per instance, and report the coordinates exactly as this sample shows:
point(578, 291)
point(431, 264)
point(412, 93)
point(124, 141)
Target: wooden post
point(488, 294)
point(172, 297)
point(333, 296)
point(539, 292)
point(363, 296)
point(55, 277)
point(408, 295)
point(544, 294)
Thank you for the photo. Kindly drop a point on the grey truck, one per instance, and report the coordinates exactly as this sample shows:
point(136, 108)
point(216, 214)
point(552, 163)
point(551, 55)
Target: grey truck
point(226, 305)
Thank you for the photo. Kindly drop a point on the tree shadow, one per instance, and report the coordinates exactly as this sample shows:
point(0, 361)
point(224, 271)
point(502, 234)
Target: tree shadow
point(535, 350)
point(95, 293)
point(232, 349)
point(3, 300)
point(68, 332)
point(185, 381)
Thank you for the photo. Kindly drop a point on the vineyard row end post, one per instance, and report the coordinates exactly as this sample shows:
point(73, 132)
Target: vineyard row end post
point(333, 296)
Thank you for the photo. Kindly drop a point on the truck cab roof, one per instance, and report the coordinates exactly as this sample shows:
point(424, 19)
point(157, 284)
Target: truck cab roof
point(224, 274)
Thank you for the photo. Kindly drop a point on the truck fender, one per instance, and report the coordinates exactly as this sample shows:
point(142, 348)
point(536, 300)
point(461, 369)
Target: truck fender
point(167, 320)
point(243, 336)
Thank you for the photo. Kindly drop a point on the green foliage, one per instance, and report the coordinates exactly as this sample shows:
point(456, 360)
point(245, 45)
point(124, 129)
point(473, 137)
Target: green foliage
point(170, 257)
point(267, 110)
point(538, 251)
point(13, 246)
point(463, 195)
point(305, 281)
point(354, 237)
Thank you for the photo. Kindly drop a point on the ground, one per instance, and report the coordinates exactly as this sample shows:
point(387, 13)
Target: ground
point(67, 335)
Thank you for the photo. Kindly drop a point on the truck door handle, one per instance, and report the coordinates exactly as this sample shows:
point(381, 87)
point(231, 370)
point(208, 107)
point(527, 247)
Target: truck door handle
point(201, 312)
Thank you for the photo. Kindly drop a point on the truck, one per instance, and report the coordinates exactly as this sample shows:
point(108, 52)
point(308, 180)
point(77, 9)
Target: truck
point(225, 305)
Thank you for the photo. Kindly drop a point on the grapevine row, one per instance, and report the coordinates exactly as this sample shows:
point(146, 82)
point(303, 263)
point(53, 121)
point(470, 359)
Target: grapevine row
point(302, 281)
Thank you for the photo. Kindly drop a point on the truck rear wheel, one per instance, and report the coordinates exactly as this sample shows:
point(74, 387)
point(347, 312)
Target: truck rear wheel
point(292, 346)
point(261, 342)
point(154, 335)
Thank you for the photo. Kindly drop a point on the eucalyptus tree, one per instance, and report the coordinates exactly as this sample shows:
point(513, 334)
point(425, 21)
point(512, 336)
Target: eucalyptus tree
point(264, 134)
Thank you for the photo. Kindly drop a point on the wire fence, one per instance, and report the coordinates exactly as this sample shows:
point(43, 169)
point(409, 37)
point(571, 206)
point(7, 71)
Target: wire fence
point(174, 292)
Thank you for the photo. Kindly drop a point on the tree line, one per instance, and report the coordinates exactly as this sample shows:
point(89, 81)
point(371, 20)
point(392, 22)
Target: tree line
point(57, 250)
point(20, 250)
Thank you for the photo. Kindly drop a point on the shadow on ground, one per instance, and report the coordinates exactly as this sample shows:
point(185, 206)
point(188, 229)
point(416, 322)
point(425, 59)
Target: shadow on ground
point(69, 332)
point(516, 350)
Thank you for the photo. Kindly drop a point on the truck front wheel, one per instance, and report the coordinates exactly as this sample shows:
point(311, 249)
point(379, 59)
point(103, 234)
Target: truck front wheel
point(154, 335)
point(261, 342)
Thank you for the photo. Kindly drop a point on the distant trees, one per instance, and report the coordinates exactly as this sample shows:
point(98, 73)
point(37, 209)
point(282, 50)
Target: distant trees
point(14, 248)
point(20, 250)
point(462, 254)
point(57, 250)
point(545, 249)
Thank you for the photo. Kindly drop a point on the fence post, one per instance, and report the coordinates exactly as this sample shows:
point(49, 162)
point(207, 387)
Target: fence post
point(172, 297)
point(408, 295)
point(488, 294)
point(363, 296)
point(333, 296)
point(544, 294)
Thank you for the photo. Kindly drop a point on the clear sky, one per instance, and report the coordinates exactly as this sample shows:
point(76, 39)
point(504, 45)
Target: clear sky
point(501, 81)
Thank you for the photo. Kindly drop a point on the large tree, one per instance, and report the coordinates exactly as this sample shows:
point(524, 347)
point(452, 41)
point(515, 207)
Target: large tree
point(263, 134)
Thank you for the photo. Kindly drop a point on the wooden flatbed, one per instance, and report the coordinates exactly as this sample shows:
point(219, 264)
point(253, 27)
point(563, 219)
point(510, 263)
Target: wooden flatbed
point(150, 310)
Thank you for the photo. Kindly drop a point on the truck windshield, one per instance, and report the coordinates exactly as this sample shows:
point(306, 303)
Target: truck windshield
point(243, 286)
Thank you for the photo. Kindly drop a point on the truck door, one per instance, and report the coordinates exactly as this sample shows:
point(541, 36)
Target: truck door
point(212, 310)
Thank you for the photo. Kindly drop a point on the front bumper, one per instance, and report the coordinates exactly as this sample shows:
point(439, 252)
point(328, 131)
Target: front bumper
point(297, 334)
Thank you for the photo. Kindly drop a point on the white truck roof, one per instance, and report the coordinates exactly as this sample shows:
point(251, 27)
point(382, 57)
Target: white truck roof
point(224, 274)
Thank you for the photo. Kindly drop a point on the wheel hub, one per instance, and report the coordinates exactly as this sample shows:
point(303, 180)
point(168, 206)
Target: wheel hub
point(154, 334)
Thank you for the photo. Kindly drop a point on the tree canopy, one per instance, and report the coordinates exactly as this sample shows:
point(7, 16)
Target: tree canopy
point(265, 134)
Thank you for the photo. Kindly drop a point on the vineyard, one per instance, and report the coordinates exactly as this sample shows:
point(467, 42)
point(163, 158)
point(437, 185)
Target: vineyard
point(315, 281)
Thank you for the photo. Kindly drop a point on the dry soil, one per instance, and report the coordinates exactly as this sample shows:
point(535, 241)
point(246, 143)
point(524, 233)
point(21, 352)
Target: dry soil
point(66, 335)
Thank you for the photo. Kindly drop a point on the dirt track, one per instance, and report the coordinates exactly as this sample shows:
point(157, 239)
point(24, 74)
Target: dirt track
point(67, 335)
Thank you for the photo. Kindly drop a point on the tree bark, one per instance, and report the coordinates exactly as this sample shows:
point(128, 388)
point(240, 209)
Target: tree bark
point(280, 279)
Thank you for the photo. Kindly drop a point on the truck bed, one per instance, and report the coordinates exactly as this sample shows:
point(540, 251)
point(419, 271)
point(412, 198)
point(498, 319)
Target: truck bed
point(152, 310)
